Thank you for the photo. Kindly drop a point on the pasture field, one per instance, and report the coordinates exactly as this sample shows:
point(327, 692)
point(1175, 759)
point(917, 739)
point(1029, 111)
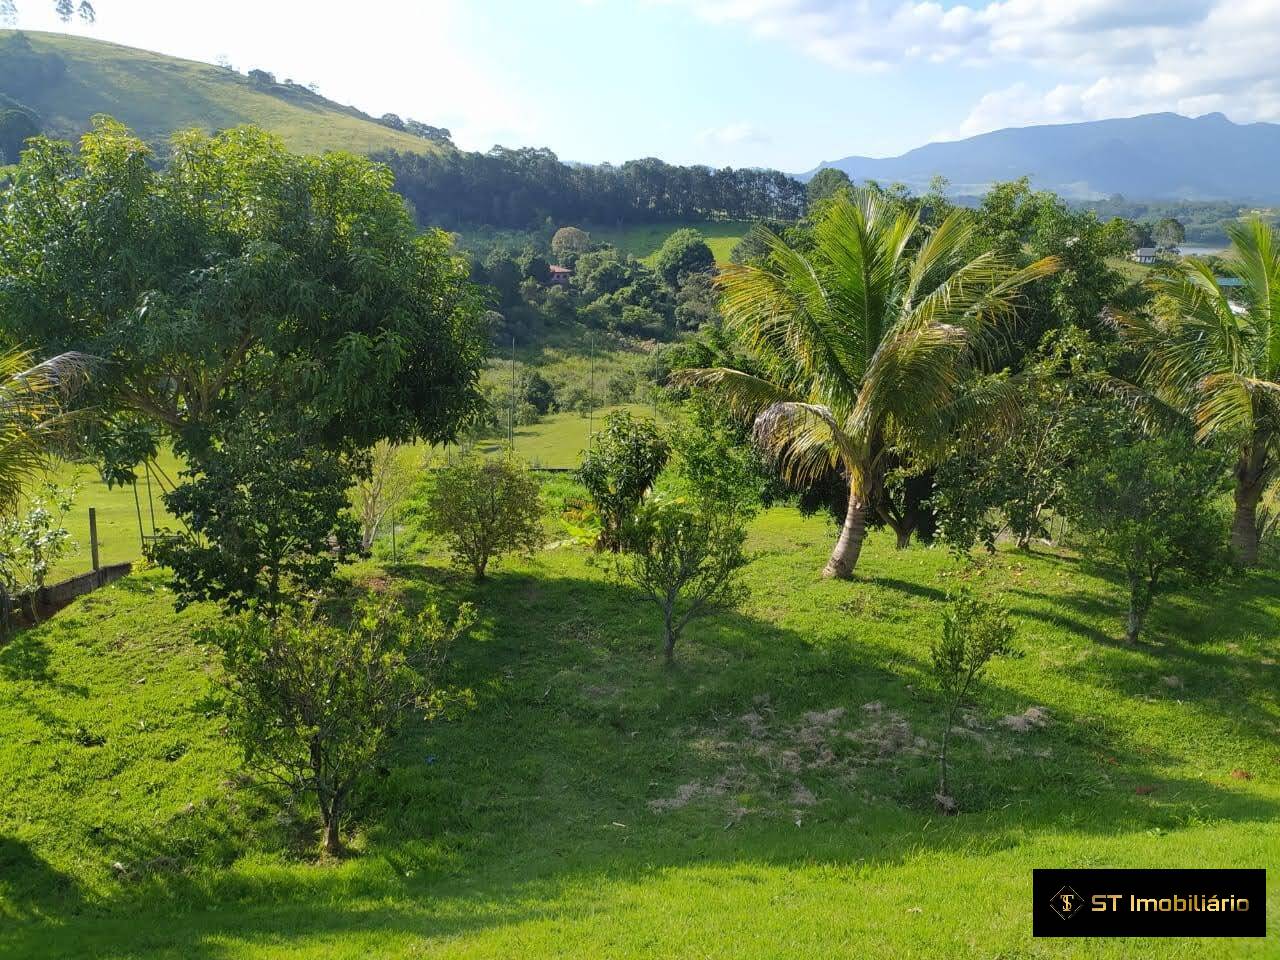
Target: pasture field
point(644, 240)
point(770, 796)
point(157, 95)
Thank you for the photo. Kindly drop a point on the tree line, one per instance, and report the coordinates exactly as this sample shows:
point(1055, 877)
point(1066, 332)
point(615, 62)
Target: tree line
point(523, 188)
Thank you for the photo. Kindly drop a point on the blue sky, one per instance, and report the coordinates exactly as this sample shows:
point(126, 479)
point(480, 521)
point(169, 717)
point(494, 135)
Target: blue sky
point(784, 83)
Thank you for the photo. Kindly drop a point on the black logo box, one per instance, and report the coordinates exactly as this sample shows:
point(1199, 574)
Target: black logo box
point(1104, 903)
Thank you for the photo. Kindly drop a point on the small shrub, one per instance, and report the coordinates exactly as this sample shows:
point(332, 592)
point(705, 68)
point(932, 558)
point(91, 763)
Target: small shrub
point(31, 544)
point(973, 631)
point(684, 557)
point(314, 706)
point(1150, 507)
point(625, 460)
point(484, 509)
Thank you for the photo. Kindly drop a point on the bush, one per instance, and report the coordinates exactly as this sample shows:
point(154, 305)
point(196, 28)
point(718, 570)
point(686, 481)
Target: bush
point(623, 463)
point(539, 393)
point(314, 706)
point(684, 557)
point(485, 509)
point(30, 544)
point(621, 388)
point(973, 631)
point(1150, 507)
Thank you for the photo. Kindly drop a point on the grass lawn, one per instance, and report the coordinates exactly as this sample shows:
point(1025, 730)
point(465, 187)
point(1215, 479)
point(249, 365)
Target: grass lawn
point(769, 797)
point(559, 439)
point(118, 540)
point(643, 240)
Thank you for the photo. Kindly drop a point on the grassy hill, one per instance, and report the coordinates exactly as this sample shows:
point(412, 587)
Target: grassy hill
point(769, 797)
point(68, 80)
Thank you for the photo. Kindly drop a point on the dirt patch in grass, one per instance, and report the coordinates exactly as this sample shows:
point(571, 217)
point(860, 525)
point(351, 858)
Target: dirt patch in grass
point(777, 767)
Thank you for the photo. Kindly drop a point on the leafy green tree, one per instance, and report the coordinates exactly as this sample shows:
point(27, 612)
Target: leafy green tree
point(1012, 476)
point(240, 286)
point(266, 519)
point(534, 266)
point(684, 557)
point(825, 184)
point(503, 274)
point(973, 632)
point(862, 345)
point(485, 509)
point(683, 253)
point(1148, 506)
point(1219, 361)
point(1170, 233)
point(717, 464)
point(619, 469)
point(314, 706)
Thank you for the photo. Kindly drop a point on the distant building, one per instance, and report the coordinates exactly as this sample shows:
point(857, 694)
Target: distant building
point(1145, 255)
point(560, 276)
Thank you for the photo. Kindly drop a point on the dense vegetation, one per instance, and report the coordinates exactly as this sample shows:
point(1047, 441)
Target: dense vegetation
point(523, 188)
point(290, 737)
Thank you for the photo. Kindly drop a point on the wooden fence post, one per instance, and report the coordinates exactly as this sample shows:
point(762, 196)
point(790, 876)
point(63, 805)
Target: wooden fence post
point(93, 538)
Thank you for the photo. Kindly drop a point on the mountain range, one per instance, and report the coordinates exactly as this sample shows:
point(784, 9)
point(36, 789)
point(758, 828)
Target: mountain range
point(1154, 156)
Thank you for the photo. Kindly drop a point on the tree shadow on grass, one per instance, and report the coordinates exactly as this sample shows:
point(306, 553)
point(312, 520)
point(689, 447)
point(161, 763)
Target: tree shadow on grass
point(30, 889)
point(575, 728)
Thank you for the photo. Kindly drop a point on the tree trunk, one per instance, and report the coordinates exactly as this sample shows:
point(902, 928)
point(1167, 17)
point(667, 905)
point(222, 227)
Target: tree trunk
point(904, 538)
point(1250, 477)
point(1244, 529)
point(332, 841)
point(1134, 625)
point(845, 555)
point(1141, 592)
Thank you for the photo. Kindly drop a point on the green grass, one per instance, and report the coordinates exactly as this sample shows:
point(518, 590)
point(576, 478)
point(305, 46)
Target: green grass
point(559, 439)
point(118, 535)
point(156, 95)
point(542, 817)
point(644, 240)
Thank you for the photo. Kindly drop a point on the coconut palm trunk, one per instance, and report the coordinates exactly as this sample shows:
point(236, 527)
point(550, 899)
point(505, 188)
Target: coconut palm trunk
point(867, 337)
point(1250, 477)
point(844, 557)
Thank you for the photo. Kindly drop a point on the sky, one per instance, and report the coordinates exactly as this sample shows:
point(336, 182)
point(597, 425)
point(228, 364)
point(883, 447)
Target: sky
point(777, 83)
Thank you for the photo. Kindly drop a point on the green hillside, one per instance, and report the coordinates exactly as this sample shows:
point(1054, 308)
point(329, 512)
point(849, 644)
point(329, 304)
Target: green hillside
point(67, 80)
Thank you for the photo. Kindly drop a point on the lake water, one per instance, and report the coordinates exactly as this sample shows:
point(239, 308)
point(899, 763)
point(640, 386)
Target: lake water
point(1201, 249)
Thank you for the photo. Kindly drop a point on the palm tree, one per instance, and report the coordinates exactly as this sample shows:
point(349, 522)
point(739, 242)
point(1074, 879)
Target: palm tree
point(864, 342)
point(32, 414)
point(1219, 361)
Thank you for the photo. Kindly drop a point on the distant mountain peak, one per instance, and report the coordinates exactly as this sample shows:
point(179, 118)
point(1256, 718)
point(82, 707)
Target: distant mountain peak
point(1152, 156)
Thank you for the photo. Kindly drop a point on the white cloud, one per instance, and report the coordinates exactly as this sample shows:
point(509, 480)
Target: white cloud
point(1102, 57)
point(734, 134)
